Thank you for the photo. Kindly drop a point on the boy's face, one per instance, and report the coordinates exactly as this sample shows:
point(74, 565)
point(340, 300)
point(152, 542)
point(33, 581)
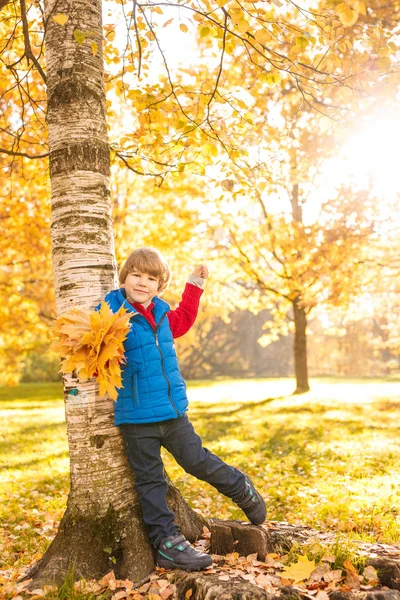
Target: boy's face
point(140, 287)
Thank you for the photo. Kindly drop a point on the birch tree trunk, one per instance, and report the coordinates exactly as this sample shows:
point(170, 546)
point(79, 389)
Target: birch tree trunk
point(102, 526)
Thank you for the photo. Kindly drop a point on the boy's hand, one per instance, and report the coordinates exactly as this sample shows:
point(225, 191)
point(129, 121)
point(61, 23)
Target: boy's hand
point(200, 271)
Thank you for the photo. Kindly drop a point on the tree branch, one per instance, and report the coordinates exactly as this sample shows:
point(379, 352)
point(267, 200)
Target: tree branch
point(28, 50)
point(24, 154)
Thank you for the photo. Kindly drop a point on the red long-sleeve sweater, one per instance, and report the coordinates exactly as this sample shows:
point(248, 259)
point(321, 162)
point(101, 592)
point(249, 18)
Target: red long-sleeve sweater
point(183, 317)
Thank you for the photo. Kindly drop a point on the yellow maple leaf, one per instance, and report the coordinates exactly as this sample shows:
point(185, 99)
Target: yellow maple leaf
point(299, 571)
point(92, 344)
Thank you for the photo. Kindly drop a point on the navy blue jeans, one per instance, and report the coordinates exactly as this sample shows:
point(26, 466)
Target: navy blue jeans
point(143, 444)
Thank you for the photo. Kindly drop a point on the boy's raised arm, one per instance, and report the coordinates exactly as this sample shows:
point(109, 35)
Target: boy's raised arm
point(183, 317)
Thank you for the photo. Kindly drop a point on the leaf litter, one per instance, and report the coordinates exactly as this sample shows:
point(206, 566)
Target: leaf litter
point(310, 579)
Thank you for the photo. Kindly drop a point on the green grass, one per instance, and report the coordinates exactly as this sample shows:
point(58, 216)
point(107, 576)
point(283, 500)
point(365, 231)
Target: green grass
point(329, 458)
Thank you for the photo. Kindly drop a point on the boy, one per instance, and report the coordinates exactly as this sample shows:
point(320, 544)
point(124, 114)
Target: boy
point(151, 406)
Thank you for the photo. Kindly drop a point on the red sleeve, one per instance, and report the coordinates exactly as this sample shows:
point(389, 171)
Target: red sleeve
point(182, 318)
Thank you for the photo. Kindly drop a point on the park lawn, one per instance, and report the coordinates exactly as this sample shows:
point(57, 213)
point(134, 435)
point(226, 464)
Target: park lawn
point(329, 458)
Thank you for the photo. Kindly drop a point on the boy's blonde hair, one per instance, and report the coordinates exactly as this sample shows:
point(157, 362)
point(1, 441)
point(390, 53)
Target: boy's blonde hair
point(147, 260)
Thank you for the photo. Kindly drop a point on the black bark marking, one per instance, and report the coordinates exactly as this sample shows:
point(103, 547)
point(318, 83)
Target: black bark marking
point(97, 440)
point(67, 286)
point(71, 89)
point(90, 155)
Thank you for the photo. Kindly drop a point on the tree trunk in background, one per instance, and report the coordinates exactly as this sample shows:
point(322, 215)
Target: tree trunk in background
point(300, 348)
point(102, 526)
point(300, 318)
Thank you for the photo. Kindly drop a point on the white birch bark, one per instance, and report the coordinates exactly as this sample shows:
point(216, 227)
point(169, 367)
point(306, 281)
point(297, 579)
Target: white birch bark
point(102, 508)
point(82, 239)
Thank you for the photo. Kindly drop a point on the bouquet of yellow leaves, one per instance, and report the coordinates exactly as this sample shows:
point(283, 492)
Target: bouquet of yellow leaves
point(91, 343)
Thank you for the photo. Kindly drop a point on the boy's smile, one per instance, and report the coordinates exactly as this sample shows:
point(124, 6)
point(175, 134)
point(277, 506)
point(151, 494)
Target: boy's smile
point(141, 287)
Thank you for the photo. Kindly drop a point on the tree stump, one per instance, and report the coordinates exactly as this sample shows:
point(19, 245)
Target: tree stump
point(245, 539)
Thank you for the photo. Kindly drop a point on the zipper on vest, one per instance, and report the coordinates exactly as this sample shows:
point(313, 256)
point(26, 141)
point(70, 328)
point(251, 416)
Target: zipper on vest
point(155, 331)
point(162, 364)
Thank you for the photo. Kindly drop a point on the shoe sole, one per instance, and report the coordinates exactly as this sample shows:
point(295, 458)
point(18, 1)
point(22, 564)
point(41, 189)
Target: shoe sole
point(168, 564)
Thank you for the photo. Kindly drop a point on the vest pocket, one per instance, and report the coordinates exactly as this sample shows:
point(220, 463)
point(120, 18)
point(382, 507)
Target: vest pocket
point(135, 392)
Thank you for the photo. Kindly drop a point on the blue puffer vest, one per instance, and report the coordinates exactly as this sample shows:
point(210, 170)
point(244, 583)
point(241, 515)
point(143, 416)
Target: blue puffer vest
point(153, 387)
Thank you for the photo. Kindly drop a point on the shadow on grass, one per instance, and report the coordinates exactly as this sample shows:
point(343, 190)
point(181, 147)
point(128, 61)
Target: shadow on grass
point(314, 410)
point(37, 391)
point(25, 405)
point(215, 425)
point(245, 406)
point(37, 461)
point(27, 437)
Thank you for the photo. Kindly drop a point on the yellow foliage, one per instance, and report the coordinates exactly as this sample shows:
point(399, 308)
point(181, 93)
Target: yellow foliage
point(347, 16)
point(91, 343)
point(262, 35)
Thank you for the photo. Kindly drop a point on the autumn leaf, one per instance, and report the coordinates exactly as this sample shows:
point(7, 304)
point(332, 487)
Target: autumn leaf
point(242, 26)
point(204, 31)
point(371, 575)
point(104, 581)
point(91, 343)
point(120, 595)
point(347, 16)
point(228, 184)
point(360, 7)
point(80, 36)
point(183, 27)
point(60, 19)
point(299, 571)
point(302, 42)
point(94, 47)
point(352, 577)
point(262, 35)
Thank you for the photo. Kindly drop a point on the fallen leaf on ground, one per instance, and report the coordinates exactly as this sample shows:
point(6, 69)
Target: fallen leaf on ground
point(87, 587)
point(231, 558)
point(371, 575)
point(263, 579)
point(107, 578)
point(166, 593)
point(119, 595)
point(352, 577)
point(162, 583)
point(299, 571)
point(252, 557)
point(328, 558)
point(334, 576)
point(319, 573)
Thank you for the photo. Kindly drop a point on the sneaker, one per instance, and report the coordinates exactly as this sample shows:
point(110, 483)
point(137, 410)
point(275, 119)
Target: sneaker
point(175, 552)
point(251, 503)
